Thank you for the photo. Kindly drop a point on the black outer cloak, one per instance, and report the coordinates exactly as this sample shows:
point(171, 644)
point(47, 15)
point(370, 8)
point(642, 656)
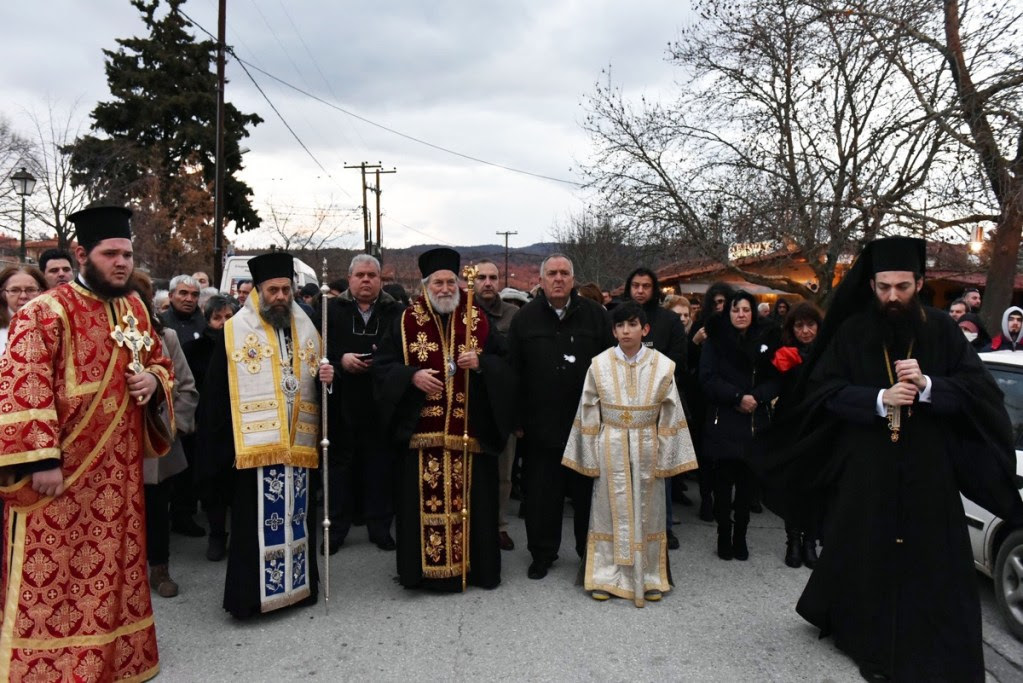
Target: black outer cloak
point(895, 583)
point(399, 402)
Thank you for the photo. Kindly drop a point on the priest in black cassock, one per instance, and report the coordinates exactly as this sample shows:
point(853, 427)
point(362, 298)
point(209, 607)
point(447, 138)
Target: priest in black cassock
point(895, 416)
point(260, 410)
point(434, 373)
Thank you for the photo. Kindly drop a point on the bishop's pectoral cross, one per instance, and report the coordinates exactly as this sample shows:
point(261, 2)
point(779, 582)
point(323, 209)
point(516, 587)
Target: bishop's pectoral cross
point(130, 337)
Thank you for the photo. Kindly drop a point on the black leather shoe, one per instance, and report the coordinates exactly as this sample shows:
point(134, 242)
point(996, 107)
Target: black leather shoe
point(186, 526)
point(216, 547)
point(538, 569)
point(672, 540)
point(809, 551)
point(725, 544)
point(386, 543)
point(739, 549)
point(505, 541)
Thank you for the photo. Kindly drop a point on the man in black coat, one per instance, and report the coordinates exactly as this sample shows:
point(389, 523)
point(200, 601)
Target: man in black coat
point(668, 335)
point(184, 317)
point(551, 342)
point(361, 463)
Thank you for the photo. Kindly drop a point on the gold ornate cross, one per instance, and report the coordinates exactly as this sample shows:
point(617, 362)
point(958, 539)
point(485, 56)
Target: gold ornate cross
point(130, 337)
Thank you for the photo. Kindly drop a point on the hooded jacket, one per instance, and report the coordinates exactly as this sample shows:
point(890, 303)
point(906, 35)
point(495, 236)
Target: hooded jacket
point(1004, 341)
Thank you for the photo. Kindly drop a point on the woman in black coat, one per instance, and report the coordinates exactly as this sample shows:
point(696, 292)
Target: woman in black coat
point(798, 333)
point(739, 384)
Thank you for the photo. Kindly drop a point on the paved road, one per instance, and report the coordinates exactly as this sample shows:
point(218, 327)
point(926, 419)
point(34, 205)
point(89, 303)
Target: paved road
point(724, 621)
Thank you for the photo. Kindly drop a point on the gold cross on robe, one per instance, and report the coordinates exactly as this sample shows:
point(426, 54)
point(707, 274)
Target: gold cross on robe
point(135, 341)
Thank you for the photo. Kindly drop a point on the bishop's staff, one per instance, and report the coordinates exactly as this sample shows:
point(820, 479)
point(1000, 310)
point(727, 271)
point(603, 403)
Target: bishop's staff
point(324, 441)
point(469, 274)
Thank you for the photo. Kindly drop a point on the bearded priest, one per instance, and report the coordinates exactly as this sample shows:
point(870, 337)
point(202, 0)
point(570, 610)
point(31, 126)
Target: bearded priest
point(445, 397)
point(261, 411)
point(80, 386)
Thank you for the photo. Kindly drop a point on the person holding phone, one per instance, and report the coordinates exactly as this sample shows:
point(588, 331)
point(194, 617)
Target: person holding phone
point(360, 465)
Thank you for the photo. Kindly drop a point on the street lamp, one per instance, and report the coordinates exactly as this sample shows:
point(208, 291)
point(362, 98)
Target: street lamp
point(24, 182)
point(977, 239)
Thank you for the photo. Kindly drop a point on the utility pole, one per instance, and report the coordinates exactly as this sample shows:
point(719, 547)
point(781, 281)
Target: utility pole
point(367, 237)
point(506, 233)
point(218, 184)
point(377, 191)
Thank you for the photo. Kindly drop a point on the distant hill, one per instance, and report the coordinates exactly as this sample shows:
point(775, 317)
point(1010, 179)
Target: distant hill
point(523, 262)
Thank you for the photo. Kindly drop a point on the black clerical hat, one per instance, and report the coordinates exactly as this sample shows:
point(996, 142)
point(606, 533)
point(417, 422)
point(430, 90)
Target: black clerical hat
point(897, 253)
point(99, 223)
point(440, 258)
point(269, 266)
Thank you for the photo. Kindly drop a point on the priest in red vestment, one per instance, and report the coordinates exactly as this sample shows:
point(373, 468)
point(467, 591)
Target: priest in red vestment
point(80, 382)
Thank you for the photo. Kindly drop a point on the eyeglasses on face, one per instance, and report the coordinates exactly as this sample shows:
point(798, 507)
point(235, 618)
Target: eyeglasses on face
point(18, 291)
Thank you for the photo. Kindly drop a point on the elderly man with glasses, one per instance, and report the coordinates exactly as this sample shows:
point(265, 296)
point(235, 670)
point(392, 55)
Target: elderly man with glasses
point(360, 472)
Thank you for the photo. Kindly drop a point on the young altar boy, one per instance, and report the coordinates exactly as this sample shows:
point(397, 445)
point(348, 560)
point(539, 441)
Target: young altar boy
point(630, 433)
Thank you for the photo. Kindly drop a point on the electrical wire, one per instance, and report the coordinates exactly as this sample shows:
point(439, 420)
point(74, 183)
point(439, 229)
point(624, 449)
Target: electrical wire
point(393, 131)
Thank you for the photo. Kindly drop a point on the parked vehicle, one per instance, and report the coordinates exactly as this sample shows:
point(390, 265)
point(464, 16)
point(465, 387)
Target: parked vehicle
point(236, 269)
point(998, 545)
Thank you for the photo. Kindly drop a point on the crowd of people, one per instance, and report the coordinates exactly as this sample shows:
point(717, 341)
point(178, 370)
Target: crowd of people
point(441, 403)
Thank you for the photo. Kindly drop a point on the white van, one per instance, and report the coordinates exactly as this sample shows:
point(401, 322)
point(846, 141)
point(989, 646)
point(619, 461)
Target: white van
point(236, 269)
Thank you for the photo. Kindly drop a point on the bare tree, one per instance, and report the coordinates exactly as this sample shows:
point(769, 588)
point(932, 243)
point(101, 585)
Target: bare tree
point(58, 197)
point(790, 128)
point(603, 250)
point(310, 234)
point(16, 151)
point(975, 50)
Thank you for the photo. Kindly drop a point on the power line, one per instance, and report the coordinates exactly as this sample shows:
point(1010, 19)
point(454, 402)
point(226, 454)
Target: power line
point(406, 135)
point(346, 112)
point(242, 63)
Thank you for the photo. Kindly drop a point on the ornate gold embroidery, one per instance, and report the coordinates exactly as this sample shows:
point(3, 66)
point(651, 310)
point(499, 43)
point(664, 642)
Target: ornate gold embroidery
point(475, 320)
point(252, 354)
point(422, 347)
point(308, 356)
point(474, 345)
point(459, 397)
point(421, 316)
point(458, 413)
point(432, 411)
point(432, 474)
point(435, 546)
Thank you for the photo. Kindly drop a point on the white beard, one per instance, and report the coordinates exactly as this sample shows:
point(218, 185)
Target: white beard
point(444, 306)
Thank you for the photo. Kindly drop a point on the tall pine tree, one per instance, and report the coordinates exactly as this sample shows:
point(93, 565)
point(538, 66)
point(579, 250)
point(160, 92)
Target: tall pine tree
point(157, 135)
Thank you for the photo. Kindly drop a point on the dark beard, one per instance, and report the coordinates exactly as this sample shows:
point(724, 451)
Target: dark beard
point(278, 315)
point(102, 286)
point(899, 323)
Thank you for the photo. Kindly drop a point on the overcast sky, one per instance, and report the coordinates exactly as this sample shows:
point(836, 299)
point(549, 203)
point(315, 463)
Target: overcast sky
point(500, 81)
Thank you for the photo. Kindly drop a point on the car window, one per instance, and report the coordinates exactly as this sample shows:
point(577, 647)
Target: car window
point(1011, 384)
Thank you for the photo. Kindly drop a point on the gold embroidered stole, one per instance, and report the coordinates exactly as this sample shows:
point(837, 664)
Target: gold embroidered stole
point(430, 342)
point(263, 433)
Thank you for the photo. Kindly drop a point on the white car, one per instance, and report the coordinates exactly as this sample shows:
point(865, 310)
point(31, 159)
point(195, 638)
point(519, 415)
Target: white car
point(997, 545)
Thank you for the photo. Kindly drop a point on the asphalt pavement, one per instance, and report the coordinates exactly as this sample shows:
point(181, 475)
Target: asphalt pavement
point(724, 621)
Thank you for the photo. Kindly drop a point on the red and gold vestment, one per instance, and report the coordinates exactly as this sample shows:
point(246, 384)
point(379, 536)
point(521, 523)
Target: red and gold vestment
point(76, 602)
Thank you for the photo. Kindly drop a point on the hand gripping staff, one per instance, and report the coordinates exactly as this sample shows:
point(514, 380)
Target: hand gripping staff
point(324, 441)
point(469, 275)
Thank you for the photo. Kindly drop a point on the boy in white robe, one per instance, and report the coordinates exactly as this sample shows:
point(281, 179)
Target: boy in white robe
point(630, 433)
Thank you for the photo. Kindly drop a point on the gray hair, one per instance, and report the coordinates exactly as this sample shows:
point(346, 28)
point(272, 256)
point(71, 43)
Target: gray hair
point(160, 297)
point(362, 258)
point(543, 264)
point(218, 302)
point(186, 280)
point(205, 293)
